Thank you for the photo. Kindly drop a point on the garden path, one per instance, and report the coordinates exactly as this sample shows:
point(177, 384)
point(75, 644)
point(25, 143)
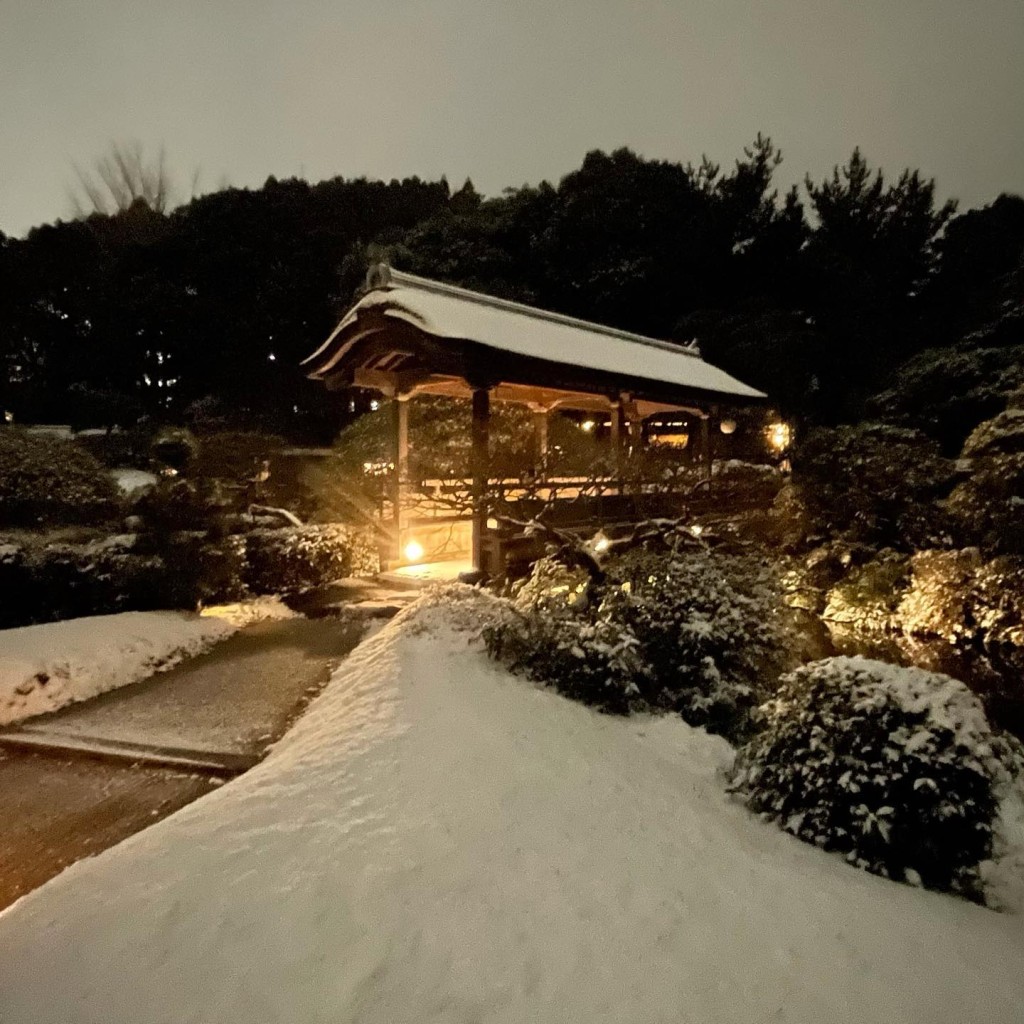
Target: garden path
point(224, 707)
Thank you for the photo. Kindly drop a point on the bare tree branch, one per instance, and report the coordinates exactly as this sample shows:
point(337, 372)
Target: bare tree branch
point(121, 177)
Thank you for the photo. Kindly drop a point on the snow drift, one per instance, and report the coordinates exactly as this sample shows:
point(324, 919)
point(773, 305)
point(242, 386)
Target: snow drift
point(437, 840)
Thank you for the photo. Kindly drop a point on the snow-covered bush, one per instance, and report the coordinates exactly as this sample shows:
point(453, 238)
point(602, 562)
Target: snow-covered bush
point(897, 768)
point(687, 631)
point(50, 480)
point(1001, 435)
point(176, 504)
point(200, 570)
point(298, 558)
point(708, 627)
point(595, 661)
point(459, 607)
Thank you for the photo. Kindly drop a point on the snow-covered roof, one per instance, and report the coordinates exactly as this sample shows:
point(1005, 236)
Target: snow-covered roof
point(447, 312)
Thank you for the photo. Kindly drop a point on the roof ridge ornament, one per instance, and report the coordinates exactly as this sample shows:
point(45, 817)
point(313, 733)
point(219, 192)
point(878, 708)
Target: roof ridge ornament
point(378, 276)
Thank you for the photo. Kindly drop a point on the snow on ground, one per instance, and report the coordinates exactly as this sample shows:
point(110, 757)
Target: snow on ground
point(44, 667)
point(244, 613)
point(133, 479)
point(438, 841)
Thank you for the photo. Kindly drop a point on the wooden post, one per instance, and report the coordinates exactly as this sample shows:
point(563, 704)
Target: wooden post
point(540, 440)
point(617, 444)
point(400, 472)
point(480, 461)
point(705, 446)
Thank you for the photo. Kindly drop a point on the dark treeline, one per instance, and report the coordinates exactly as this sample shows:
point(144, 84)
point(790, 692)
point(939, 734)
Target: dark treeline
point(815, 294)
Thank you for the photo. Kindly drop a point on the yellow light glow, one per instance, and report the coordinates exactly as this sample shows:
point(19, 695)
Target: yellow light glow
point(413, 551)
point(779, 436)
point(588, 425)
point(696, 530)
point(492, 524)
point(601, 544)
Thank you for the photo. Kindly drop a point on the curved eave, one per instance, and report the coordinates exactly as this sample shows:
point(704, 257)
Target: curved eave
point(515, 343)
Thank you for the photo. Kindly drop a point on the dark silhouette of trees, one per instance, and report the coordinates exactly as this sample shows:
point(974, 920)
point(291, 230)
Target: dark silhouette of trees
point(147, 310)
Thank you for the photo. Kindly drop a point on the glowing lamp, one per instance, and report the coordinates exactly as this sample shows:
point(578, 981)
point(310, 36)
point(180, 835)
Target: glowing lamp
point(727, 426)
point(588, 425)
point(413, 551)
point(601, 544)
point(492, 524)
point(779, 436)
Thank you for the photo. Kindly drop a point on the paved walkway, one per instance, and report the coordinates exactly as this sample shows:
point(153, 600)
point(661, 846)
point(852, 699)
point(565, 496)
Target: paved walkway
point(235, 699)
point(231, 702)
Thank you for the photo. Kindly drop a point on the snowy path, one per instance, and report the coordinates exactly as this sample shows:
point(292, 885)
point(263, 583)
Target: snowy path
point(234, 699)
point(436, 841)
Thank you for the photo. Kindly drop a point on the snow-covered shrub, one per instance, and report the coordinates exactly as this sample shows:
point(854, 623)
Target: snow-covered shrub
point(200, 570)
point(739, 483)
point(459, 607)
point(50, 480)
point(590, 657)
point(687, 631)
point(298, 558)
point(233, 455)
point(896, 768)
point(708, 628)
point(176, 504)
point(1001, 435)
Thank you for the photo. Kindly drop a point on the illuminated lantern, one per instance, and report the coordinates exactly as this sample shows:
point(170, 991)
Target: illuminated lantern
point(727, 426)
point(413, 551)
point(779, 436)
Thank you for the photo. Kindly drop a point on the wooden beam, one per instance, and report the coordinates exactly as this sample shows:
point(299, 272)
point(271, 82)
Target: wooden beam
point(480, 459)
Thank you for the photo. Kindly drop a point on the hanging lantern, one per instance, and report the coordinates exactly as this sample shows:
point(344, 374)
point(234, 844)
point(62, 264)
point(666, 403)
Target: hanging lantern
point(727, 426)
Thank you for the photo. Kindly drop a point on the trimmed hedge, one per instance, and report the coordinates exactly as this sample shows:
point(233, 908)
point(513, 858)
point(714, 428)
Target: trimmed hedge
point(50, 480)
point(179, 569)
point(298, 558)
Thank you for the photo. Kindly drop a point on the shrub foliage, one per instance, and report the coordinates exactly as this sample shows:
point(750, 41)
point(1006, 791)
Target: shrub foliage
point(896, 768)
point(688, 631)
point(49, 480)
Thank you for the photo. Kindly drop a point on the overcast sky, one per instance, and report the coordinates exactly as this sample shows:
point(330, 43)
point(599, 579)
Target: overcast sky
point(506, 92)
